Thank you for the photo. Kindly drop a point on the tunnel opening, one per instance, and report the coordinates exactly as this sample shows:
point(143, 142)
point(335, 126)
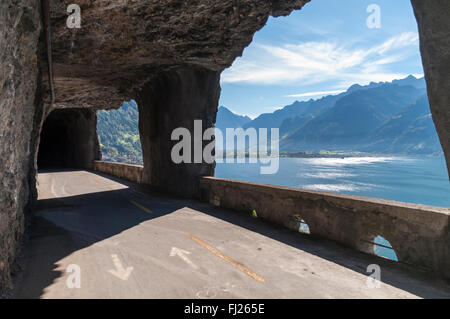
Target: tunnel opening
point(383, 248)
point(304, 228)
point(118, 132)
point(68, 139)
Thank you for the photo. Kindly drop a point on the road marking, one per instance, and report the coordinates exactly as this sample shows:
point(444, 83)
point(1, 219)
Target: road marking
point(52, 188)
point(64, 189)
point(145, 209)
point(120, 272)
point(220, 254)
point(182, 254)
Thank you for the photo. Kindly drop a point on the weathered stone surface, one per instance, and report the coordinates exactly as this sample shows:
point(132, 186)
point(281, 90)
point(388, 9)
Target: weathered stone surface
point(174, 99)
point(433, 17)
point(20, 111)
point(69, 139)
point(122, 43)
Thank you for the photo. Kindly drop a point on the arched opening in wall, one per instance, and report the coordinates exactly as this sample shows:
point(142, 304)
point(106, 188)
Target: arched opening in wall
point(304, 228)
point(68, 139)
point(343, 85)
point(383, 248)
point(118, 132)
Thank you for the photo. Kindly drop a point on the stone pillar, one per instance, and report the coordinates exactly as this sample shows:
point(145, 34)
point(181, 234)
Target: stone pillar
point(433, 17)
point(170, 100)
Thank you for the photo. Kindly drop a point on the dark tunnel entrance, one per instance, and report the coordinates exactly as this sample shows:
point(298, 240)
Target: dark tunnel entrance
point(69, 139)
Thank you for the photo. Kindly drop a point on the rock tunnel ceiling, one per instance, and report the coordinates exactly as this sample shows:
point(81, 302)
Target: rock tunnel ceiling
point(122, 45)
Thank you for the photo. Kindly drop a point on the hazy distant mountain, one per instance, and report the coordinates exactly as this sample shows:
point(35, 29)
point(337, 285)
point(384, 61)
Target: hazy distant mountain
point(227, 119)
point(298, 113)
point(292, 124)
point(418, 83)
point(380, 117)
point(352, 118)
point(304, 109)
point(410, 131)
point(411, 80)
point(275, 119)
point(384, 117)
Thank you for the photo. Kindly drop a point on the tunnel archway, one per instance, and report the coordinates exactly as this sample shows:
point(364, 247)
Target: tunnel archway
point(69, 139)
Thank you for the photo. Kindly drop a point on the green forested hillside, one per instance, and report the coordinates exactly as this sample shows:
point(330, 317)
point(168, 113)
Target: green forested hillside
point(119, 134)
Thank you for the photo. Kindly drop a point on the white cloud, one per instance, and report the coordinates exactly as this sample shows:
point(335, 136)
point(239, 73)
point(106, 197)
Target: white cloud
point(320, 93)
point(315, 62)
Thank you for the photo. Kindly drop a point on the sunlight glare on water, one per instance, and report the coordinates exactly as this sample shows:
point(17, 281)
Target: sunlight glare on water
point(421, 180)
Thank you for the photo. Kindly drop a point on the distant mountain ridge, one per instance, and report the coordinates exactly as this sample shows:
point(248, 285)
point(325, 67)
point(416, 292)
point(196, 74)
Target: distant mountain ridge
point(356, 120)
point(226, 118)
point(312, 107)
point(304, 109)
point(412, 130)
point(352, 118)
point(387, 117)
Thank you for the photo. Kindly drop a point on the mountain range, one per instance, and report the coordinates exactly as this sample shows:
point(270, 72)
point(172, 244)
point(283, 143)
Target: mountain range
point(387, 117)
point(226, 118)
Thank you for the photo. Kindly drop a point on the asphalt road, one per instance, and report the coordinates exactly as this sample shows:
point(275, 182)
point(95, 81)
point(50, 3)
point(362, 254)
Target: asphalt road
point(94, 236)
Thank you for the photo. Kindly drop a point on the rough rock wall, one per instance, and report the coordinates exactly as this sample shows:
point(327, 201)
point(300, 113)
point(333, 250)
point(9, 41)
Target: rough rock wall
point(20, 111)
point(433, 17)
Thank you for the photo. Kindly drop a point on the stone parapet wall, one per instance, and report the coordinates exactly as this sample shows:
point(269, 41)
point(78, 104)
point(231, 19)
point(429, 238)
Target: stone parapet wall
point(129, 172)
point(419, 234)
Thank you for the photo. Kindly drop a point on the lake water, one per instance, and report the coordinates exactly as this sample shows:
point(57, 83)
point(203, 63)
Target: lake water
point(421, 180)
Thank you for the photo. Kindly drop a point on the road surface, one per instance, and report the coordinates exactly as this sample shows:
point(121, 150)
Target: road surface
point(95, 236)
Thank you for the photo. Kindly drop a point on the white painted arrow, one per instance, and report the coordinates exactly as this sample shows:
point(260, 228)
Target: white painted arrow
point(182, 254)
point(120, 272)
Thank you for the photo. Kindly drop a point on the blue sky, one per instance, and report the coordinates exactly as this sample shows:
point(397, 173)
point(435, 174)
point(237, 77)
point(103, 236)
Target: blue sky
point(322, 49)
